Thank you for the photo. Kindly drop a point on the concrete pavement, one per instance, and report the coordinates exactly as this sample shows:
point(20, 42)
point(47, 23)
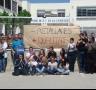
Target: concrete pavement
point(73, 81)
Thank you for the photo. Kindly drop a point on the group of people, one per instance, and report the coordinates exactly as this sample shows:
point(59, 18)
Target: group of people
point(42, 64)
point(83, 51)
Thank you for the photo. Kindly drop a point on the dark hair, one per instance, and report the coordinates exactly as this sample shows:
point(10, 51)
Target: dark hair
point(63, 52)
point(52, 47)
point(22, 56)
point(72, 39)
point(43, 52)
point(82, 34)
point(85, 33)
point(93, 39)
point(30, 47)
point(35, 58)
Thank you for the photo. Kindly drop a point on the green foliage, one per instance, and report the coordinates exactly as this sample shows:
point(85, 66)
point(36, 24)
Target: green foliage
point(24, 13)
point(4, 20)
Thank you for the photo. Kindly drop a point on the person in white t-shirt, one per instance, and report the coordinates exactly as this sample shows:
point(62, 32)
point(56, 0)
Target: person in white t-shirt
point(72, 54)
point(32, 64)
point(52, 66)
point(30, 53)
point(4, 47)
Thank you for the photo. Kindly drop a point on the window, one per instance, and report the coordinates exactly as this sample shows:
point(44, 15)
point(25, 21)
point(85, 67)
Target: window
point(40, 13)
point(19, 8)
point(1, 2)
point(51, 13)
point(61, 13)
point(86, 11)
point(8, 4)
point(14, 6)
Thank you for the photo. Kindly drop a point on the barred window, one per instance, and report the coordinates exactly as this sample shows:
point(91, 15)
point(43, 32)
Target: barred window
point(86, 11)
point(8, 4)
point(14, 6)
point(1, 2)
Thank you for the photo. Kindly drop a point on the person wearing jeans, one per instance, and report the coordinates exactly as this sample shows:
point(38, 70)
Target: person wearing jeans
point(52, 66)
point(72, 54)
point(40, 68)
point(81, 46)
point(1, 58)
point(32, 64)
point(4, 46)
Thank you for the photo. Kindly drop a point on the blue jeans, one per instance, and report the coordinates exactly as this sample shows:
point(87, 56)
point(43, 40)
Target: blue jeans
point(5, 63)
point(42, 70)
point(51, 71)
point(32, 69)
point(2, 64)
point(82, 60)
point(72, 59)
point(63, 71)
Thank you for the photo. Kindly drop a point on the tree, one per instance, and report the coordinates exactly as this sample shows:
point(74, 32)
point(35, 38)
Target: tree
point(5, 21)
point(23, 21)
point(25, 13)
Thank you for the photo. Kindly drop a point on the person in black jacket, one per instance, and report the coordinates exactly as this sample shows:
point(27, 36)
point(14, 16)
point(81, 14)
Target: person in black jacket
point(51, 53)
point(82, 54)
point(20, 67)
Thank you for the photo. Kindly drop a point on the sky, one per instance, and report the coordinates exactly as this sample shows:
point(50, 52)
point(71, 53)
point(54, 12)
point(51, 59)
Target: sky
point(50, 1)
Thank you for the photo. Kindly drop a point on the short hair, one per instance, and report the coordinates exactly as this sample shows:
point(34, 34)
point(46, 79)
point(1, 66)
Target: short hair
point(30, 47)
point(72, 39)
point(52, 47)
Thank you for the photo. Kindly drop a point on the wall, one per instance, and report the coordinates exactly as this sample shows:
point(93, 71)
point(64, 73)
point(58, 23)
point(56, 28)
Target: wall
point(73, 13)
point(49, 6)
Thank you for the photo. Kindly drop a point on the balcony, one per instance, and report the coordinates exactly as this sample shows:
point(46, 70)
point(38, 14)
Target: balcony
point(50, 20)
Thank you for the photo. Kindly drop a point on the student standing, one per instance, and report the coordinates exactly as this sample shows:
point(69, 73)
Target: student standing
point(72, 54)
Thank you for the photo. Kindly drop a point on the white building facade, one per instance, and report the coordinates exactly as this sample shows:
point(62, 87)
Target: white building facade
point(11, 6)
point(77, 12)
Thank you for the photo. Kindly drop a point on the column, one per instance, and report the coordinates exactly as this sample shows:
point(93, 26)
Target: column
point(17, 6)
point(11, 5)
point(4, 4)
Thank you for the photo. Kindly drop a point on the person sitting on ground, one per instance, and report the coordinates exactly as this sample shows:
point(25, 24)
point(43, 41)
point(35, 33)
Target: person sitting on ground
point(63, 65)
point(41, 54)
point(51, 53)
point(63, 68)
point(42, 65)
point(32, 64)
point(52, 66)
point(30, 53)
point(20, 67)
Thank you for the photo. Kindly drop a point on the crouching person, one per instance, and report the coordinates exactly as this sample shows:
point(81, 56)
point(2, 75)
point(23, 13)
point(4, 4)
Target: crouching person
point(20, 67)
point(32, 64)
point(52, 66)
